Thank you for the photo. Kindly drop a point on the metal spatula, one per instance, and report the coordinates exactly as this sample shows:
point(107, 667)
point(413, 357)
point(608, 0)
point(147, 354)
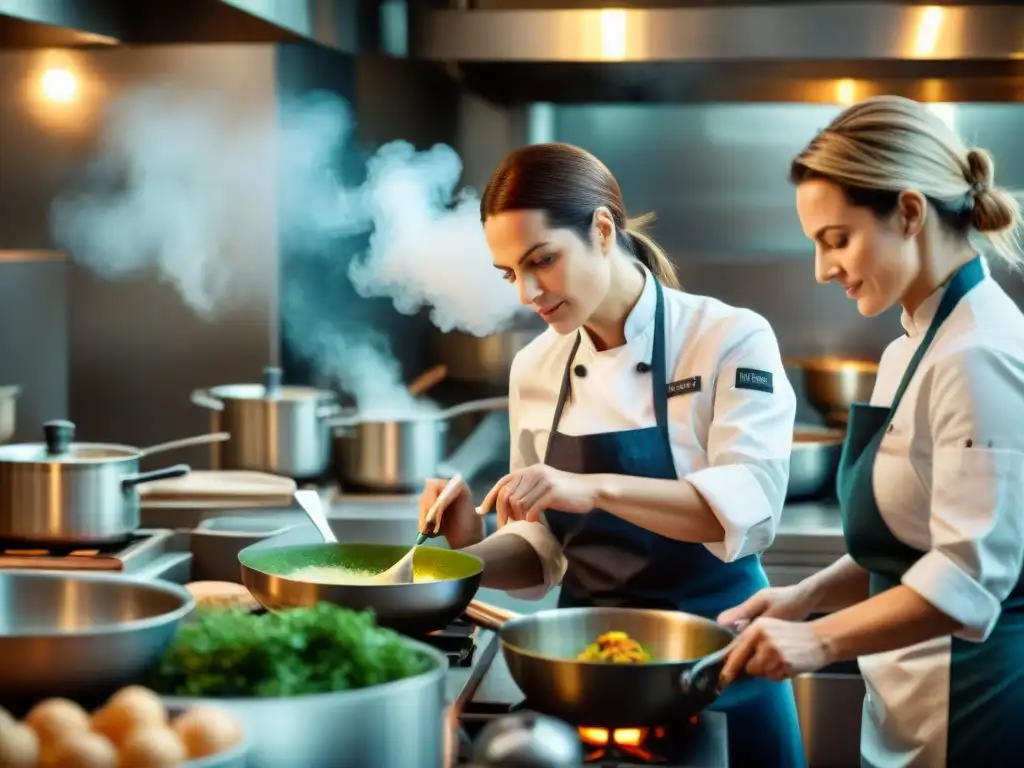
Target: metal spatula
point(313, 506)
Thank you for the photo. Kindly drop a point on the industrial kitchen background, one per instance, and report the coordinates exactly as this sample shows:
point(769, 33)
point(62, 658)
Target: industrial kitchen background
point(697, 109)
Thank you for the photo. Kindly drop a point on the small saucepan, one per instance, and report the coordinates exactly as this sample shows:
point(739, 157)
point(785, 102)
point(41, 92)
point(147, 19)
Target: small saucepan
point(541, 651)
point(61, 492)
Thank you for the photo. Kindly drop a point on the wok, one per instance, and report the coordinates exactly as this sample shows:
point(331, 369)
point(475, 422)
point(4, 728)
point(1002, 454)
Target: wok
point(540, 649)
point(413, 609)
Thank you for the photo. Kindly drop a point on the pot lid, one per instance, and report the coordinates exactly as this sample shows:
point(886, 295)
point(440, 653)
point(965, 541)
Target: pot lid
point(58, 447)
point(270, 389)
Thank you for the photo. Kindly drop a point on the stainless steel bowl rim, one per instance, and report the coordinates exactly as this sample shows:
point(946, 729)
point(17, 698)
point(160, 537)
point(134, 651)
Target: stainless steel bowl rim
point(157, 585)
point(439, 660)
point(670, 615)
point(259, 392)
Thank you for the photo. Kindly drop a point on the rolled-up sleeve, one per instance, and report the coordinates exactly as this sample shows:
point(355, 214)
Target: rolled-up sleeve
point(538, 535)
point(976, 413)
point(749, 440)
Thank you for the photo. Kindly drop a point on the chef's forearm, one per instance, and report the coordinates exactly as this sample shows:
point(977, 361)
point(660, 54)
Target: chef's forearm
point(671, 508)
point(510, 563)
point(896, 618)
point(839, 586)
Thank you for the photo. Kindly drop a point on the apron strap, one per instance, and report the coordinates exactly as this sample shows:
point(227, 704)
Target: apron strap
point(962, 282)
point(659, 378)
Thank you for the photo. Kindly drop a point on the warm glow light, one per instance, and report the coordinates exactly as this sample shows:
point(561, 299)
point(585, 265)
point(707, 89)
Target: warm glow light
point(59, 85)
point(846, 92)
point(932, 19)
point(613, 34)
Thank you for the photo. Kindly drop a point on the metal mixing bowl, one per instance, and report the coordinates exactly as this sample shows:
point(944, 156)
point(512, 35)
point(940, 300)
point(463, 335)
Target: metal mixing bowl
point(82, 635)
point(833, 384)
point(814, 461)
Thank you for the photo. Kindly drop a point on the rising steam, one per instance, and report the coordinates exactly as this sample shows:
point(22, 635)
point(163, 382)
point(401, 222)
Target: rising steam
point(172, 185)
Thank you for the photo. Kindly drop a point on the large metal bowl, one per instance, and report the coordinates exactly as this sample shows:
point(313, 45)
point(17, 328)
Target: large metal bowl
point(814, 461)
point(400, 724)
point(82, 636)
point(833, 384)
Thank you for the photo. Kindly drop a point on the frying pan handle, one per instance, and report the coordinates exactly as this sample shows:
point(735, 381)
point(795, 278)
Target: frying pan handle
point(703, 679)
point(488, 616)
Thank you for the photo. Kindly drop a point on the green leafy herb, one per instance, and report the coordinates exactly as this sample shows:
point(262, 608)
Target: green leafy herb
point(232, 653)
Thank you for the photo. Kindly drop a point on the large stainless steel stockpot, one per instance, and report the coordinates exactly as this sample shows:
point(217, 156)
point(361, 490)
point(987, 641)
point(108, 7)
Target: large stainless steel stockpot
point(274, 428)
point(62, 492)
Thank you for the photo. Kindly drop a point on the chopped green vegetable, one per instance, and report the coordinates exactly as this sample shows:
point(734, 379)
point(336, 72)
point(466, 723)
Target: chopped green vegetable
point(233, 653)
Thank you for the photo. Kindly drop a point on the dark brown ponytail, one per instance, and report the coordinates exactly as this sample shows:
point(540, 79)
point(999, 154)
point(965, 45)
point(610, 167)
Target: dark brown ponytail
point(569, 184)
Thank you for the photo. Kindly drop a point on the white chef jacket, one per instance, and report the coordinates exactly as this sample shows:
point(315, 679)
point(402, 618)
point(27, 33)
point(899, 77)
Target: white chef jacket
point(732, 444)
point(949, 481)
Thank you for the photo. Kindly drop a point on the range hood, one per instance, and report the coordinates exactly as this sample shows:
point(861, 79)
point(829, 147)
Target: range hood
point(346, 25)
point(526, 51)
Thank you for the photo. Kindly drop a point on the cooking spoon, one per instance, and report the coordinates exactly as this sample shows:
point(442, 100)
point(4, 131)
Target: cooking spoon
point(483, 404)
point(313, 506)
point(186, 442)
point(401, 572)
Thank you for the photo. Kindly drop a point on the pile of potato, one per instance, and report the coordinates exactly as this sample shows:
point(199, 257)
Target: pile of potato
point(132, 730)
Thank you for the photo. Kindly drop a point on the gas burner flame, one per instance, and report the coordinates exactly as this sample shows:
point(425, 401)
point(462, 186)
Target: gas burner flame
point(641, 744)
point(619, 742)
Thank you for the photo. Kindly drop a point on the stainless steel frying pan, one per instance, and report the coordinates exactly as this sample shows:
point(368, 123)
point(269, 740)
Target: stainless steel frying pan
point(541, 648)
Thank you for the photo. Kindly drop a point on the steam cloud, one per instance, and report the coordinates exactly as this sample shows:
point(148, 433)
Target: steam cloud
point(166, 191)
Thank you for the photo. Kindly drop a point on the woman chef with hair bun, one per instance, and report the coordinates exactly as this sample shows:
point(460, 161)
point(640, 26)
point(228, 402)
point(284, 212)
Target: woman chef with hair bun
point(931, 479)
point(650, 428)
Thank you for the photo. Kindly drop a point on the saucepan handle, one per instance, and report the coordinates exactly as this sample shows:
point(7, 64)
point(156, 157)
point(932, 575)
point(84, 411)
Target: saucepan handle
point(703, 679)
point(488, 616)
point(178, 470)
point(204, 399)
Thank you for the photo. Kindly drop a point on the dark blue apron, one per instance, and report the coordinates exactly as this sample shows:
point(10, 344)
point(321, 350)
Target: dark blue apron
point(986, 697)
point(614, 563)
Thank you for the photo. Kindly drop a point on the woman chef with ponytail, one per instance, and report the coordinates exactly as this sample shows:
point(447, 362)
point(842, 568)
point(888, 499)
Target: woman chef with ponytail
point(651, 428)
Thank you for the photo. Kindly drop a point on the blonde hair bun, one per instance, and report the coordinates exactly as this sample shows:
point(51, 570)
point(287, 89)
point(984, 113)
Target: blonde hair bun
point(994, 209)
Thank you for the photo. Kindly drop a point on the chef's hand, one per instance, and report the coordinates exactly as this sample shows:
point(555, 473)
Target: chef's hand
point(775, 649)
point(526, 493)
point(459, 522)
point(792, 603)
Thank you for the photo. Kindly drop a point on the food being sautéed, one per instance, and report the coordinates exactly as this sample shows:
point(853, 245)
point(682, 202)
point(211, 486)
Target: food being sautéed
point(338, 574)
point(617, 648)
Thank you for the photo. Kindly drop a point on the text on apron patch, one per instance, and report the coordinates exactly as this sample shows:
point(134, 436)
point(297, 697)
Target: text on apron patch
point(751, 378)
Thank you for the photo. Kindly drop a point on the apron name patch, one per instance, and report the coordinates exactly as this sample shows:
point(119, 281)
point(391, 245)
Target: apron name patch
point(751, 378)
point(684, 386)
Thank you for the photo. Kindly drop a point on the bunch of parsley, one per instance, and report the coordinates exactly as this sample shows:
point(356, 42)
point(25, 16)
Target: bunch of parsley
point(233, 653)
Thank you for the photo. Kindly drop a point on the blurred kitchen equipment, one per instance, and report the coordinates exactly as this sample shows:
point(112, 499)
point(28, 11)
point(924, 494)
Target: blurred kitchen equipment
point(485, 360)
point(274, 428)
point(401, 572)
point(398, 456)
point(814, 461)
point(541, 649)
point(65, 492)
point(222, 595)
point(313, 506)
point(414, 609)
point(395, 725)
point(186, 442)
point(8, 411)
point(833, 384)
point(528, 740)
point(222, 486)
point(78, 635)
point(427, 380)
point(216, 542)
